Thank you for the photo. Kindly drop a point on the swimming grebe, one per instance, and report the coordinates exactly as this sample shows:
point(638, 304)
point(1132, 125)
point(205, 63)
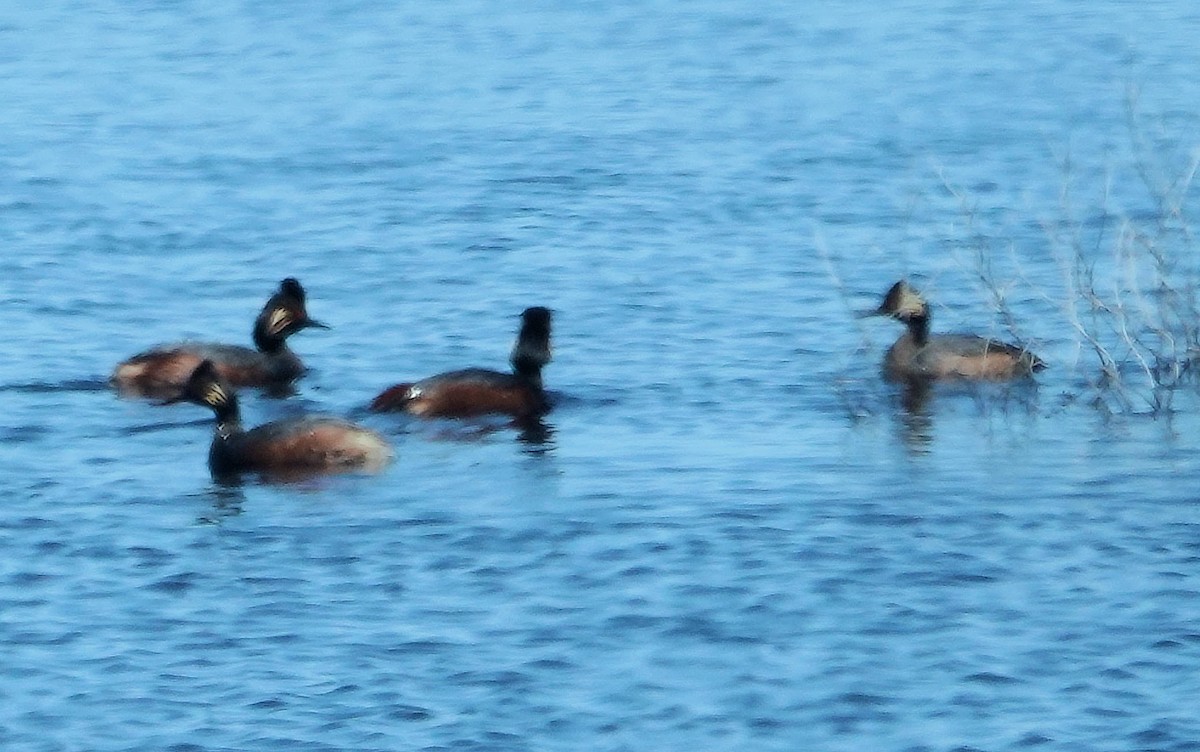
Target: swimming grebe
point(917, 354)
point(306, 444)
point(162, 372)
point(479, 391)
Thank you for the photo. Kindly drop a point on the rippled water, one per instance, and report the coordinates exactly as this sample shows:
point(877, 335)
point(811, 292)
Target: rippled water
point(732, 534)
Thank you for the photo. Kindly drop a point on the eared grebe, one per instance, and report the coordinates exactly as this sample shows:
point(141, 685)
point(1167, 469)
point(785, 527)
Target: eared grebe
point(920, 355)
point(479, 391)
point(162, 372)
point(295, 445)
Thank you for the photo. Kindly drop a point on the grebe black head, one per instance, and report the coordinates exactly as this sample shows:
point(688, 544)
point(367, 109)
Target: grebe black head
point(285, 313)
point(532, 352)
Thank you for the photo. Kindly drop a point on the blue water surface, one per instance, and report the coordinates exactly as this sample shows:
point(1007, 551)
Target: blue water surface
point(730, 534)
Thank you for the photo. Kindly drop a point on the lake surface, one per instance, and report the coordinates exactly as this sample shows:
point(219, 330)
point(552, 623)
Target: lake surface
point(731, 533)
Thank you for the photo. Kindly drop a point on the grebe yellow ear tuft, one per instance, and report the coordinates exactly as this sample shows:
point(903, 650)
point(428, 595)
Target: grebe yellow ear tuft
point(215, 395)
point(279, 320)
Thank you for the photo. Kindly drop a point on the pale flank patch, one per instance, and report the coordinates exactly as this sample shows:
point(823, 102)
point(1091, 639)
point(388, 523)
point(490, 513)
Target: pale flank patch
point(368, 450)
point(129, 371)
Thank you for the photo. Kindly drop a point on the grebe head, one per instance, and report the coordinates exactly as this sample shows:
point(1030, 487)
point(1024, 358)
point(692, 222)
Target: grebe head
point(284, 314)
point(205, 387)
point(903, 303)
point(532, 349)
